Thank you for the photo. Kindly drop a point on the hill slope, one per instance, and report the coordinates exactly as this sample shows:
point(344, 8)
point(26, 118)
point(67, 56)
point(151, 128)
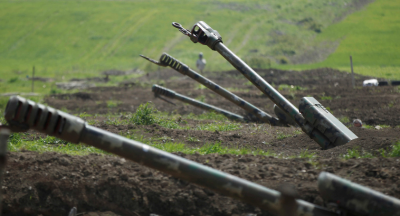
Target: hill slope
point(90, 36)
point(371, 36)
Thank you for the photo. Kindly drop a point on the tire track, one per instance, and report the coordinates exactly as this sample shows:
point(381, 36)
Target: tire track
point(130, 31)
point(100, 46)
point(31, 32)
point(237, 28)
point(247, 37)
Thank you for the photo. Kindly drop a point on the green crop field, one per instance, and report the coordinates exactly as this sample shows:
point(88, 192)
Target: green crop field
point(371, 37)
point(65, 39)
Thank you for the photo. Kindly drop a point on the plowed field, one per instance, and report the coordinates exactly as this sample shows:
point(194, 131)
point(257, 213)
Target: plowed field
point(52, 183)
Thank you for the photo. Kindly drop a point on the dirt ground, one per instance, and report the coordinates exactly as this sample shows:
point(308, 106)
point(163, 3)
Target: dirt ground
point(374, 106)
point(51, 183)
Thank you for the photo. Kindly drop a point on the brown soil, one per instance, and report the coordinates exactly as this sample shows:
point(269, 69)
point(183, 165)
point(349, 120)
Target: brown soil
point(51, 184)
point(372, 105)
point(267, 138)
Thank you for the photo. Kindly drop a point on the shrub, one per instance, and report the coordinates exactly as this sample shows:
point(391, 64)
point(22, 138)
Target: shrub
point(144, 115)
point(13, 80)
point(213, 148)
point(55, 91)
point(283, 60)
point(15, 138)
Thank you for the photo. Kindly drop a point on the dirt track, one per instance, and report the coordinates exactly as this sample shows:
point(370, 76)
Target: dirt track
point(51, 184)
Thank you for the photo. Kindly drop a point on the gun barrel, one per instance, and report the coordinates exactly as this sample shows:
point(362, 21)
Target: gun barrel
point(252, 110)
point(260, 83)
point(172, 94)
point(313, 118)
point(249, 108)
point(73, 129)
point(272, 93)
point(355, 198)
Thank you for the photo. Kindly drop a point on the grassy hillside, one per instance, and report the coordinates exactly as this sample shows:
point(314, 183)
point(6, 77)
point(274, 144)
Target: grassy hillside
point(371, 36)
point(79, 38)
point(66, 39)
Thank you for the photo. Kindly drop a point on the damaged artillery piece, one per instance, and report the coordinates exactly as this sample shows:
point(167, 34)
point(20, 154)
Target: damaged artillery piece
point(253, 113)
point(350, 198)
point(317, 122)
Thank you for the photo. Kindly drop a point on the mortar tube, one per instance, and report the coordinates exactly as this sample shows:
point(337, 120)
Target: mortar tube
point(252, 110)
point(173, 95)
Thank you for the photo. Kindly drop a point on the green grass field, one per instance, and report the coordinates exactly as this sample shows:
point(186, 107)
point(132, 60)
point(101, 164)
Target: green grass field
point(81, 38)
point(370, 36)
point(65, 39)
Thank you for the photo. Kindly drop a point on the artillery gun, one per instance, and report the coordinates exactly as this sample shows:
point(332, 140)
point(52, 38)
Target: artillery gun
point(352, 199)
point(316, 121)
point(158, 90)
point(252, 111)
point(22, 114)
